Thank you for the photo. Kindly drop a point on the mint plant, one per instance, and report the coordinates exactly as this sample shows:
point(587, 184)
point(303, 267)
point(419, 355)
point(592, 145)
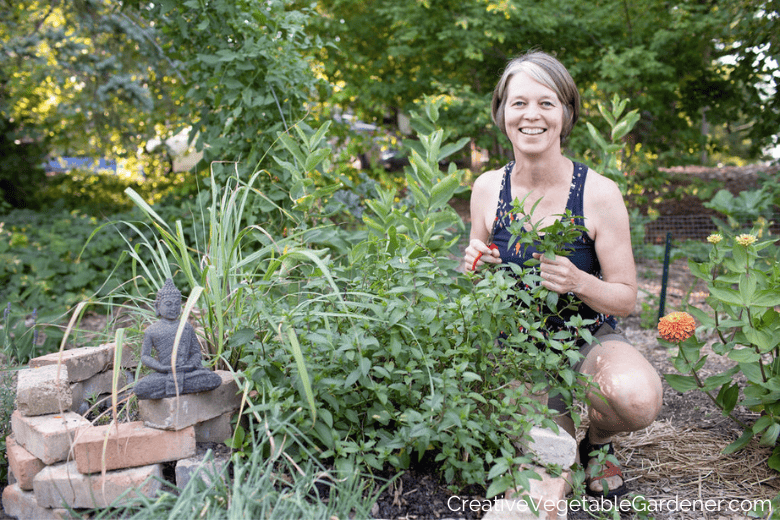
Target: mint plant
point(369, 342)
point(398, 351)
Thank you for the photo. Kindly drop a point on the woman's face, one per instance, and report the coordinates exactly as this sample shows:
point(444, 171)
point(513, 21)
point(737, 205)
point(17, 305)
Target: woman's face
point(533, 115)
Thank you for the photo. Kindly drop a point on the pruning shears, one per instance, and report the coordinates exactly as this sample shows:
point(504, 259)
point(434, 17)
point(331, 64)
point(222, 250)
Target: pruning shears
point(490, 245)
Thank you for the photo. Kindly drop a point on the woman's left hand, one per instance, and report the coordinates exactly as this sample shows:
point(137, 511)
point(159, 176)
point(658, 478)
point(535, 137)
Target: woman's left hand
point(559, 275)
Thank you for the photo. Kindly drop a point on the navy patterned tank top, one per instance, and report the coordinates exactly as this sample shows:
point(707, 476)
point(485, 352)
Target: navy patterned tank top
point(582, 251)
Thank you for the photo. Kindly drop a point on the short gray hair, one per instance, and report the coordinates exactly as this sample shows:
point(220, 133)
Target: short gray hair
point(551, 73)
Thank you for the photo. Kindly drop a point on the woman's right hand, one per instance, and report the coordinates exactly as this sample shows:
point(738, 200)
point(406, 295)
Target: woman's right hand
point(478, 253)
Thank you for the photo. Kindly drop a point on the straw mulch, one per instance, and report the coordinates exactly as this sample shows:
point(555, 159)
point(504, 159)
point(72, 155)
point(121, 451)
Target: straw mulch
point(689, 462)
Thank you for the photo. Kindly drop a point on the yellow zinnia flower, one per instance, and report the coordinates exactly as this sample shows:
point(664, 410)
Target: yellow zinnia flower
point(745, 239)
point(715, 238)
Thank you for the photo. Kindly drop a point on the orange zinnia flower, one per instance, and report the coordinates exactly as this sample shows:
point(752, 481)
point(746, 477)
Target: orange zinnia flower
point(676, 327)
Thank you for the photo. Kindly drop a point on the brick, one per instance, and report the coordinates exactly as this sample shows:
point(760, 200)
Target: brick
point(62, 483)
point(23, 464)
point(547, 495)
point(130, 445)
point(48, 437)
point(82, 363)
point(130, 354)
point(176, 413)
point(551, 448)
point(97, 385)
point(206, 464)
point(22, 504)
point(43, 390)
point(218, 429)
point(517, 509)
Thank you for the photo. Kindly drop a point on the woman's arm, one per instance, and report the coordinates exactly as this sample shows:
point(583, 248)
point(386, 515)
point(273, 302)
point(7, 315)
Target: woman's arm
point(607, 223)
point(484, 199)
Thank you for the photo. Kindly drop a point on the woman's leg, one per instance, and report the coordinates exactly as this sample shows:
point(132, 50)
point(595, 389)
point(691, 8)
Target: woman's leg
point(628, 397)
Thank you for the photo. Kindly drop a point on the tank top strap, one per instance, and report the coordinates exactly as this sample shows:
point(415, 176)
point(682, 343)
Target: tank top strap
point(576, 193)
point(503, 211)
point(505, 196)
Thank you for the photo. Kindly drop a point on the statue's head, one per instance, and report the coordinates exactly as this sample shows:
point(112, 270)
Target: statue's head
point(168, 302)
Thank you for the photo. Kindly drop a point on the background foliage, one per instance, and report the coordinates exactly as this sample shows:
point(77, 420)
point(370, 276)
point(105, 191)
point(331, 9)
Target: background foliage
point(326, 285)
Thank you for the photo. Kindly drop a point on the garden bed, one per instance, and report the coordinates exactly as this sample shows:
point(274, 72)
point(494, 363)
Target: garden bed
point(677, 458)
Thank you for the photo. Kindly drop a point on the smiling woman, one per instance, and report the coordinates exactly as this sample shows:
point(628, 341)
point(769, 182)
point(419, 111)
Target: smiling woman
point(536, 104)
point(548, 72)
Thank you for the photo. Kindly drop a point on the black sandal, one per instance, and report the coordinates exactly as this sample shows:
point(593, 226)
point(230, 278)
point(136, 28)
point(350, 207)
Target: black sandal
point(586, 449)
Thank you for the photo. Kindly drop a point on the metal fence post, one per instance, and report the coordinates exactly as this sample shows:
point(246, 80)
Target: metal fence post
point(665, 276)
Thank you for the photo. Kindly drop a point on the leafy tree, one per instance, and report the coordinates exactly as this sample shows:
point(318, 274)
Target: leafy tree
point(247, 72)
point(21, 169)
point(389, 55)
point(690, 66)
point(82, 75)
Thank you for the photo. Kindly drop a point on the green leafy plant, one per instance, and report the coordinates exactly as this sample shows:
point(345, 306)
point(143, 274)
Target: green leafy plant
point(611, 159)
point(742, 278)
point(749, 207)
point(395, 352)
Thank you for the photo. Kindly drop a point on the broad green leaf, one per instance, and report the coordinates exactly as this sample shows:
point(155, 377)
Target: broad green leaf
point(293, 148)
point(681, 383)
point(770, 435)
point(766, 298)
point(314, 141)
point(729, 296)
point(443, 191)
point(500, 467)
point(739, 443)
point(747, 289)
point(727, 397)
point(315, 158)
point(744, 355)
point(451, 148)
point(498, 486)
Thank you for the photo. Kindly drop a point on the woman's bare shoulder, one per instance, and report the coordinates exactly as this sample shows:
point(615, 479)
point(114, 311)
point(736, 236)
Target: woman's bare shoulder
point(601, 189)
point(489, 180)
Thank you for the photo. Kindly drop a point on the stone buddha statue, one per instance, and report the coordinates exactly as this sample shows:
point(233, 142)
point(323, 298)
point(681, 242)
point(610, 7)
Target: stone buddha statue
point(191, 376)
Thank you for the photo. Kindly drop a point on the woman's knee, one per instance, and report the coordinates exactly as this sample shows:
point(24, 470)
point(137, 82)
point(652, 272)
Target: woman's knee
point(628, 384)
point(635, 398)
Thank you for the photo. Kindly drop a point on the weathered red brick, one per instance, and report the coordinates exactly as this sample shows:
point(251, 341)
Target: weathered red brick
point(62, 483)
point(130, 445)
point(23, 464)
point(48, 437)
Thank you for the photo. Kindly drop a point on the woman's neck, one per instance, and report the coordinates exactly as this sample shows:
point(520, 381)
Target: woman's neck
point(535, 172)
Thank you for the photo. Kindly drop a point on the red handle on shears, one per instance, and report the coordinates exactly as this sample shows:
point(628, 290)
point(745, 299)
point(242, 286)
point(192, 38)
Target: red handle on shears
point(479, 255)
